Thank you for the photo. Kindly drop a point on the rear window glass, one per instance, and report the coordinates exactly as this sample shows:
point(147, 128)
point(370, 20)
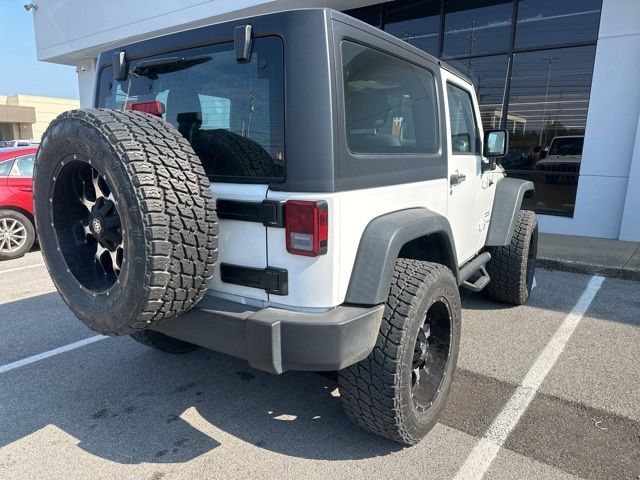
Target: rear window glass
point(390, 104)
point(231, 112)
point(24, 166)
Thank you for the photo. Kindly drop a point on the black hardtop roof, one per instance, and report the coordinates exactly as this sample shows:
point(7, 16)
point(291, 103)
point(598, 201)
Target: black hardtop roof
point(335, 15)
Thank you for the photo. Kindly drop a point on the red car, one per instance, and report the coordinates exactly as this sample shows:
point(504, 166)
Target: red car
point(17, 231)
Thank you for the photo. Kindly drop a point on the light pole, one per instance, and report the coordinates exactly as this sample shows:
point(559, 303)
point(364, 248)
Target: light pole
point(546, 93)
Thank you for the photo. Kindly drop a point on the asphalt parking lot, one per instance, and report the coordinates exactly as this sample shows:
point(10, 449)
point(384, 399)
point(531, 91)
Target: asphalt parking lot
point(112, 408)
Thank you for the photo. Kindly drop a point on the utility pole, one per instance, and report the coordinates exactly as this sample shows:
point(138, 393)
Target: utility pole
point(546, 94)
point(472, 41)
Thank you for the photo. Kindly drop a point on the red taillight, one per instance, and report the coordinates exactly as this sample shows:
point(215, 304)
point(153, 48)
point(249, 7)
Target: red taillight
point(307, 227)
point(154, 107)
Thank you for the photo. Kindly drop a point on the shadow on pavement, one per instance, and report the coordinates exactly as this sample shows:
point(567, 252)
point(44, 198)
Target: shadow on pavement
point(617, 300)
point(557, 291)
point(127, 404)
point(35, 324)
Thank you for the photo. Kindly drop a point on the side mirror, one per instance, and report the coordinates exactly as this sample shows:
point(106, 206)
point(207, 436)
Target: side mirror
point(496, 144)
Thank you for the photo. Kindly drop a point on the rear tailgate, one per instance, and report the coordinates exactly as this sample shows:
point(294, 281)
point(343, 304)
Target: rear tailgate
point(241, 243)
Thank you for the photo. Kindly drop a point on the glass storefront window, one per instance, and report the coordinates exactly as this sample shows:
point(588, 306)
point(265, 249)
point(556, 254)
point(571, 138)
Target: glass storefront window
point(370, 14)
point(489, 75)
point(548, 87)
point(473, 27)
point(550, 93)
point(550, 22)
point(417, 22)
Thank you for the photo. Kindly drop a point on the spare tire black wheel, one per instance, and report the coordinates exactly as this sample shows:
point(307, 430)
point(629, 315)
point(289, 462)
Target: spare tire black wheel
point(125, 217)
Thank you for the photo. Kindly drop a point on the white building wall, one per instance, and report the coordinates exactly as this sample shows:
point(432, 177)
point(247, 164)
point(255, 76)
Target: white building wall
point(610, 137)
point(87, 77)
point(70, 31)
point(630, 228)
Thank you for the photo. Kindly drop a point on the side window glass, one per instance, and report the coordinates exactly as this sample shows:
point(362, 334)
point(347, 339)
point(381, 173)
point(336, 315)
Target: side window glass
point(24, 166)
point(5, 167)
point(390, 104)
point(464, 131)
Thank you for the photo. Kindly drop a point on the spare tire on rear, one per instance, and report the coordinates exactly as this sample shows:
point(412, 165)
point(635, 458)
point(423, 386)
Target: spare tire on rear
point(125, 217)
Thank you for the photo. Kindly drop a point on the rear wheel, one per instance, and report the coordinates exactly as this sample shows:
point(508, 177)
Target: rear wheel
point(400, 389)
point(17, 234)
point(513, 266)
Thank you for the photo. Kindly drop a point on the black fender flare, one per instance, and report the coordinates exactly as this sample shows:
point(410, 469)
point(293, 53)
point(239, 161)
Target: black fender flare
point(506, 205)
point(380, 244)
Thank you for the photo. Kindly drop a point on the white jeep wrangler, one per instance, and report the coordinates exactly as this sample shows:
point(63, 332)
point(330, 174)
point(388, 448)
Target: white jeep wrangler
point(355, 191)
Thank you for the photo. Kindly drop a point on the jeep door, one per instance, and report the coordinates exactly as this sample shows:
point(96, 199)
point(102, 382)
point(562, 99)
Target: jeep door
point(466, 208)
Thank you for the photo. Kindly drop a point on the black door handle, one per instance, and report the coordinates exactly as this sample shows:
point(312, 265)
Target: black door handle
point(457, 178)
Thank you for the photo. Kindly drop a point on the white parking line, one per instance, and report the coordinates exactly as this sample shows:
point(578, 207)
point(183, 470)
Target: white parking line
point(22, 268)
point(50, 353)
point(485, 451)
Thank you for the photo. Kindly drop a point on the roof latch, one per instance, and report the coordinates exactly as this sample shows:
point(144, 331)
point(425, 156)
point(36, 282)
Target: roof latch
point(242, 42)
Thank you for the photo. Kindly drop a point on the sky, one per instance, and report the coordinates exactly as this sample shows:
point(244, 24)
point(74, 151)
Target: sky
point(20, 71)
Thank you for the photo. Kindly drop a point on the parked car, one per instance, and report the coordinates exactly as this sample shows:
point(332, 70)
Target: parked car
point(18, 143)
point(17, 227)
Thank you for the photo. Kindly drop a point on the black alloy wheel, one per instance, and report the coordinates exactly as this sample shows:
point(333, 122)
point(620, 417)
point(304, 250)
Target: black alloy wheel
point(87, 224)
point(431, 355)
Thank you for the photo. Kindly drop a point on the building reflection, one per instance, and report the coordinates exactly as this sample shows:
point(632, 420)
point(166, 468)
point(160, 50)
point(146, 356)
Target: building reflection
point(531, 62)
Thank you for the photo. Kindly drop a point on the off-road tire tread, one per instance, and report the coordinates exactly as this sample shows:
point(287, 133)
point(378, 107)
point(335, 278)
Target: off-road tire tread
point(249, 158)
point(176, 206)
point(368, 389)
point(507, 267)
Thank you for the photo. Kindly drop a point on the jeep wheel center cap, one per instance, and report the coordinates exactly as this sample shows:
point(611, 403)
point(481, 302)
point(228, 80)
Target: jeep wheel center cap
point(96, 226)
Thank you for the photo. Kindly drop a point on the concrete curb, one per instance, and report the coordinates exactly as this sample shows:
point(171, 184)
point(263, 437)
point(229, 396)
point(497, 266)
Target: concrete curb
point(589, 255)
point(588, 268)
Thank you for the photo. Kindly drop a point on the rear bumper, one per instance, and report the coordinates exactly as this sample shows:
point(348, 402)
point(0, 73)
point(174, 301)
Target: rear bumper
point(276, 340)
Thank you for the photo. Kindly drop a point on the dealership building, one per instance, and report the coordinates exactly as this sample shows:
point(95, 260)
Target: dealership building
point(562, 76)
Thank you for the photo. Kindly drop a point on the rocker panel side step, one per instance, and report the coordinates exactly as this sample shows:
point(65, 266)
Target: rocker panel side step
point(473, 267)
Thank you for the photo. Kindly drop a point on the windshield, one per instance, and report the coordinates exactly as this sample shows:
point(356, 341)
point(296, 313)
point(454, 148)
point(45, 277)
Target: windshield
point(566, 146)
point(231, 112)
